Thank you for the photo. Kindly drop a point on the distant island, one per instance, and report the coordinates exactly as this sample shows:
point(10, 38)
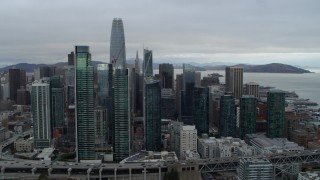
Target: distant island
point(266, 68)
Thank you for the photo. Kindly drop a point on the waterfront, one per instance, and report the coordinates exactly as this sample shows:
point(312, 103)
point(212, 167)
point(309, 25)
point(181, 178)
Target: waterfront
point(307, 85)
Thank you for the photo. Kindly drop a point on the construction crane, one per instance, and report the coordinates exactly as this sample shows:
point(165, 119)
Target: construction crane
point(114, 59)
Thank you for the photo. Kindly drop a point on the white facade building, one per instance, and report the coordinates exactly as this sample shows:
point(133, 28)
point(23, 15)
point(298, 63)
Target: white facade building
point(40, 105)
point(223, 147)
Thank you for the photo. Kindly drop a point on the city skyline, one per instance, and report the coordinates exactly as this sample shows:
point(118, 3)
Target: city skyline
point(254, 32)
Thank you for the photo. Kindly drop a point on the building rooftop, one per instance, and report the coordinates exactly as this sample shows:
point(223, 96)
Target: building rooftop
point(310, 175)
point(150, 156)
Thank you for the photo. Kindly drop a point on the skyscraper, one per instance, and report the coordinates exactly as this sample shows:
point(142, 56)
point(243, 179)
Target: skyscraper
point(137, 64)
point(234, 81)
point(57, 102)
point(14, 83)
point(71, 59)
point(201, 109)
point(276, 114)
point(186, 100)
point(252, 89)
point(227, 123)
point(84, 104)
point(153, 116)
point(248, 111)
point(147, 63)
point(102, 94)
point(121, 142)
point(117, 45)
point(166, 76)
point(40, 105)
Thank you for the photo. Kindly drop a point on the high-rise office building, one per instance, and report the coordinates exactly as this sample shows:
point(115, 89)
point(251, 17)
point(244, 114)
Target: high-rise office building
point(84, 104)
point(23, 96)
point(234, 81)
point(276, 114)
point(166, 76)
point(179, 88)
point(201, 109)
point(137, 64)
point(14, 83)
point(71, 59)
point(168, 106)
point(100, 123)
point(186, 100)
point(117, 45)
point(57, 102)
point(152, 115)
point(248, 112)
point(227, 122)
point(110, 106)
point(147, 63)
point(40, 105)
point(102, 79)
point(121, 142)
point(252, 88)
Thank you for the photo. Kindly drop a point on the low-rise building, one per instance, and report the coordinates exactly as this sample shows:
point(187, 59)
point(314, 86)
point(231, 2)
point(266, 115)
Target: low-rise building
point(309, 176)
point(22, 145)
point(151, 157)
point(264, 145)
point(223, 147)
point(255, 168)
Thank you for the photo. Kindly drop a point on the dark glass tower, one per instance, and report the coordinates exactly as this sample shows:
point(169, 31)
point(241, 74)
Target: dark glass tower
point(84, 104)
point(147, 63)
point(227, 122)
point(153, 116)
point(187, 93)
point(102, 94)
point(121, 142)
point(248, 112)
point(117, 45)
point(201, 109)
point(14, 83)
point(276, 114)
point(57, 102)
point(166, 75)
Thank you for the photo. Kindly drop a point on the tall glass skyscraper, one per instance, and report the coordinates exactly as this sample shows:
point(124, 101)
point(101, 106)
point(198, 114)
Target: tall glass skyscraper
point(276, 114)
point(117, 45)
point(103, 91)
point(153, 116)
point(227, 123)
point(121, 142)
point(186, 99)
point(166, 75)
point(248, 112)
point(84, 104)
point(201, 109)
point(147, 63)
point(57, 102)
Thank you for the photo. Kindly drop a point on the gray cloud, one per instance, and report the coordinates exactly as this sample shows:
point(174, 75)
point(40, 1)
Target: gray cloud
point(209, 30)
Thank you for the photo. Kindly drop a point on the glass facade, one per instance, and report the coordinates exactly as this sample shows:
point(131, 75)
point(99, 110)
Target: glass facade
point(166, 76)
point(200, 109)
point(248, 112)
point(103, 84)
point(227, 122)
point(117, 45)
point(187, 93)
point(276, 114)
point(121, 143)
point(147, 63)
point(153, 116)
point(57, 102)
point(84, 104)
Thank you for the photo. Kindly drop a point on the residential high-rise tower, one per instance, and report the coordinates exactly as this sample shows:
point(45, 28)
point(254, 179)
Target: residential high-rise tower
point(84, 104)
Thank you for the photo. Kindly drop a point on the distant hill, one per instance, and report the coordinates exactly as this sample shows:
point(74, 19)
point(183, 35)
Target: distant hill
point(267, 68)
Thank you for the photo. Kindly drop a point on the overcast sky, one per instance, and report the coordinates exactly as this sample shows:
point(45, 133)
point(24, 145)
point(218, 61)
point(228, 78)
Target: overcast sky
point(222, 31)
